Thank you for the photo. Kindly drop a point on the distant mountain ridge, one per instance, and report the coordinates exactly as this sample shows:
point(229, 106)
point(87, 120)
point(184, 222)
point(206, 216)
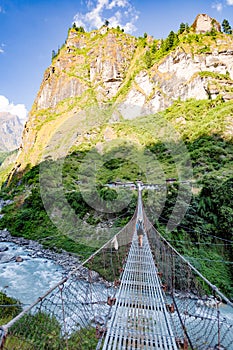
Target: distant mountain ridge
point(11, 130)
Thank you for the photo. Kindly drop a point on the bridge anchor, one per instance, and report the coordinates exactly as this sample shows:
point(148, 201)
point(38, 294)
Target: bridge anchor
point(182, 344)
point(170, 308)
point(111, 301)
point(100, 332)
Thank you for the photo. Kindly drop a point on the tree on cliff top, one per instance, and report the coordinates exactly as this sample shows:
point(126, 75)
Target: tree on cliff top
point(226, 27)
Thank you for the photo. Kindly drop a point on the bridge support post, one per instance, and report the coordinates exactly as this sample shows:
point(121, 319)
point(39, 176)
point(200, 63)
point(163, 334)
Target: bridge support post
point(100, 332)
point(3, 335)
point(117, 283)
point(182, 343)
point(111, 301)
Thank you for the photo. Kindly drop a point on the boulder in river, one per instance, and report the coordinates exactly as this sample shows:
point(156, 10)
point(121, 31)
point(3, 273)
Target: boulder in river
point(18, 259)
point(3, 249)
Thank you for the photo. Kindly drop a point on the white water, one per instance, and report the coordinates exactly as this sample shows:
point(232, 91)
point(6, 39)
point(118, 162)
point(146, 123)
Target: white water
point(29, 279)
point(33, 277)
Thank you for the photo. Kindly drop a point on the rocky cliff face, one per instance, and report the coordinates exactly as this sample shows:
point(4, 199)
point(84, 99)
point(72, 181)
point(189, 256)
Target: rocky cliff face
point(182, 75)
point(109, 67)
point(10, 131)
point(94, 61)
point(204, 23)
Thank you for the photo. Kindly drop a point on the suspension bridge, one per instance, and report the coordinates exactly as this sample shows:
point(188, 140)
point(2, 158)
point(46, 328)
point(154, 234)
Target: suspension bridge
point(135, 297)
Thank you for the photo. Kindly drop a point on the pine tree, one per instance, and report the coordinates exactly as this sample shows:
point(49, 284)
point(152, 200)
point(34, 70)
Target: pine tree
point(154, 47)
point(171, 39)
point(182, 28)
point(187, 28)
point(53, 54)
point(148, 59)
point(226, 27)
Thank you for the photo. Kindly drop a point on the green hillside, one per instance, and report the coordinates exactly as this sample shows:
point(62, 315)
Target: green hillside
point(190, 141)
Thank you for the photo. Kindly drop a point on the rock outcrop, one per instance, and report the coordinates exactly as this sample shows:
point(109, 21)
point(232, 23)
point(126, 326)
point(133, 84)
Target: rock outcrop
point(87, 61)
point(204, 23)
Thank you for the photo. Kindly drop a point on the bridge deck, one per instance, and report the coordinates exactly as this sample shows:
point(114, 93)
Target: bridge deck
point(139, 318)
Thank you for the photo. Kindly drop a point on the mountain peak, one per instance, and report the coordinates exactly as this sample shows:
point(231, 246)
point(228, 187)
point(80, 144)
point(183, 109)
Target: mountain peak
point(204, 23)
point(10, 130)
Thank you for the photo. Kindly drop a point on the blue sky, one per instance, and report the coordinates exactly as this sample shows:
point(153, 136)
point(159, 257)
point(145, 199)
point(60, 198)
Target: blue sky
point(31, 29)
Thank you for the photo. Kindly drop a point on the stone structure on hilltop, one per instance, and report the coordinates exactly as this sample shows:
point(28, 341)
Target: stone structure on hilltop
point(204, 23)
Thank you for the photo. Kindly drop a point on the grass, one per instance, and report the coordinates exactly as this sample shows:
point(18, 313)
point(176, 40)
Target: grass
point(42, 331)
point(10, 308)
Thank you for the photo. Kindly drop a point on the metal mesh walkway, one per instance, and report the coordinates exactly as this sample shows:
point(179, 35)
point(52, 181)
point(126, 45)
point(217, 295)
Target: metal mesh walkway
point(139, 318)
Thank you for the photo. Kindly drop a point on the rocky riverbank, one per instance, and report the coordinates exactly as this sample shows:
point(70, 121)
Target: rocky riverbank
point(66, 260)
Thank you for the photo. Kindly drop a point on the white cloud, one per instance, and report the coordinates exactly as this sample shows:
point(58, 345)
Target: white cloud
point(130, 27)
point(19, 109)
point(89, 4)
point(117, 12)
point(1, 48)
point(119, 3)
point(230, 2)
point(218, 6)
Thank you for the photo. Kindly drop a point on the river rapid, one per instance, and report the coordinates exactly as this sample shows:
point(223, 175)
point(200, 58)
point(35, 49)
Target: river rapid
point(28, 278)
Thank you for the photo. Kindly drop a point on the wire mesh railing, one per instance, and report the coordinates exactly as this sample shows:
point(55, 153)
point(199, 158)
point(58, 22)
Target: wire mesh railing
point(73, 313)
point(201, 315)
